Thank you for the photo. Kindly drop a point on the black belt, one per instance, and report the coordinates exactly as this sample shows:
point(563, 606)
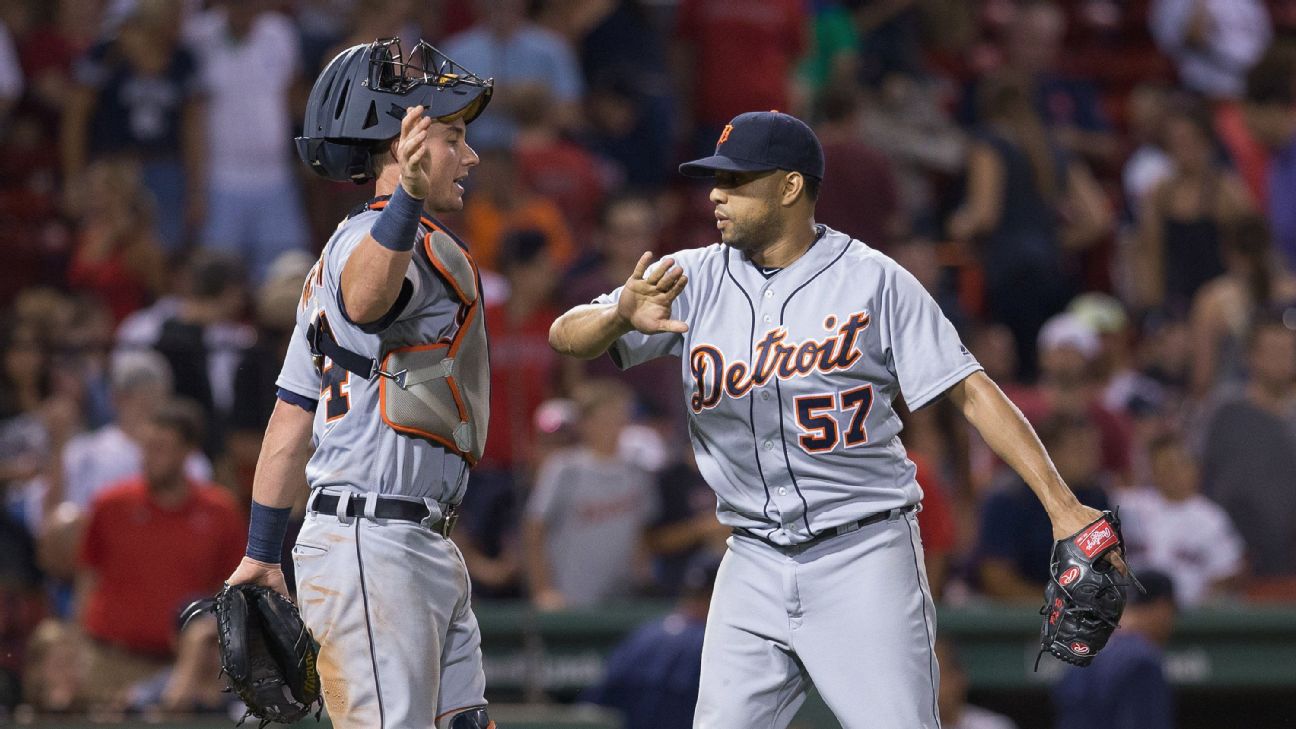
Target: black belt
point(829, 533)
point(389, 508)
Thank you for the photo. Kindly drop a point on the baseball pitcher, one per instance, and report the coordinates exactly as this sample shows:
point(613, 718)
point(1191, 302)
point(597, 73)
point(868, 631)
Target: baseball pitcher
point(794, 340)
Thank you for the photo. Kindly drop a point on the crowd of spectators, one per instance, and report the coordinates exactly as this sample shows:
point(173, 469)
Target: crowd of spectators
point(1099, 194)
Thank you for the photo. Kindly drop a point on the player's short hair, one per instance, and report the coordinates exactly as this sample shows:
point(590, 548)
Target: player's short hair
point(700, 575)
point(1268, 320)
point(631, 196)
point(183, 417)
point(521, 248)
point(381, 154)
point(1163, 441)
point(812, 187)
point(1270, 81)
point(837, 103)
point(134, 370)
point(589, 396)
point(212, 273)
point(1060, 429)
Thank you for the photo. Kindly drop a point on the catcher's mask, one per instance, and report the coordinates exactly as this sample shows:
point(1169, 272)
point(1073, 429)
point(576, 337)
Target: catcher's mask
point(358, 101)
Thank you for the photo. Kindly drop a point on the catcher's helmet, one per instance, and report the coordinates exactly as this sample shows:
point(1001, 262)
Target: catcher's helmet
point(358, 102)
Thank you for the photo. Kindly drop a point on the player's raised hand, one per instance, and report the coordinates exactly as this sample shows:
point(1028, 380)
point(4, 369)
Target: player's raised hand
point(647, 296)
point(412, 155)
point(256, 572)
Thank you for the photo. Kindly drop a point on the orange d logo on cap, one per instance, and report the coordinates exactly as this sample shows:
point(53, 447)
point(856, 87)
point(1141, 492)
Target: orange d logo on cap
point(724, 135)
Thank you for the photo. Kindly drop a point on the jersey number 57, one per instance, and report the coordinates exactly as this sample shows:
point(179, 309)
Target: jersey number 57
point(820, 429)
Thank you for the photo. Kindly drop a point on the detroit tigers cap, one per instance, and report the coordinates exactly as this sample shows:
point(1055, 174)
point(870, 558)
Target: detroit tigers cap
point(762, 140)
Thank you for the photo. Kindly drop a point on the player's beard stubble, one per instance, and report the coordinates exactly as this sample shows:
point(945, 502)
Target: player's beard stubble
point(754, 232)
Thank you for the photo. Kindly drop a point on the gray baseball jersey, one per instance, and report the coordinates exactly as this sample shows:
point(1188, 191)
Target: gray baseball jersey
point(388, 600)
point(789, 381)
point(594, 511)
point(354, 448)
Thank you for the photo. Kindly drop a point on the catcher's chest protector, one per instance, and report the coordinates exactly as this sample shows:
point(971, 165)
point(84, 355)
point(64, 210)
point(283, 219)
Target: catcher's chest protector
point(435, 390)
point(442, 389)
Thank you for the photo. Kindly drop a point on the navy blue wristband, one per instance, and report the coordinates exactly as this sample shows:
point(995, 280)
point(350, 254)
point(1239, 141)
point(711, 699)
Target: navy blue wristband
point(397, 224)
point(266, 531)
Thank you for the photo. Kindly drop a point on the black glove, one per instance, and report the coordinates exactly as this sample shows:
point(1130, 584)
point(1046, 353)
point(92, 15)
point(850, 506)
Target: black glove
point(1085, 596)
point(267, 654)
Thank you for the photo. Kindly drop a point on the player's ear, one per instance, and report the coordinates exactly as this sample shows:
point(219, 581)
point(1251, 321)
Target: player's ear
point(792, 188)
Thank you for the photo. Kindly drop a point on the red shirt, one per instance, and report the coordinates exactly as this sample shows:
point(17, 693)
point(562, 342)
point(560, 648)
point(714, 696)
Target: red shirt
point(1115, 432)
point(568, 175)
point(150, 562)
point(936, 520)
point(523, 370)
point(859, 195)
point(744, 54)
point(111, 280)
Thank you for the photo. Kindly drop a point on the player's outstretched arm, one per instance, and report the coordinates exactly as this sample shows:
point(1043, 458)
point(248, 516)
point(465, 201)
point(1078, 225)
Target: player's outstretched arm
point(1013, 439)
point(280, 475)
point(645, 306)
point(375, 270)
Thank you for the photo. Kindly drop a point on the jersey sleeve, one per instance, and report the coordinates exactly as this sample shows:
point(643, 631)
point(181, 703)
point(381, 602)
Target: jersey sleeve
point(634, 347)
point(298, 375)
point(547, 497)
point(1225, 558)
point(345, 241)
point(92, 552)
point(999, 533)
point(923, 349)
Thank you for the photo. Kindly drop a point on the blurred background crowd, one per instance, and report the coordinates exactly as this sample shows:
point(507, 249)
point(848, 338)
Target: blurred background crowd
point(1101, 194)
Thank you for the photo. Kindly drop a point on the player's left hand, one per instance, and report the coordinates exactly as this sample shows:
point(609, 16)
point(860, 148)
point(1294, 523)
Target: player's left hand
point(1069, 522)
point(412, 154)
point(261, 573)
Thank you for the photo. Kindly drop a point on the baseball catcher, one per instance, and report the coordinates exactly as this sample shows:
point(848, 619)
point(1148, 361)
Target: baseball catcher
point(1085, 596)
point(266, 653)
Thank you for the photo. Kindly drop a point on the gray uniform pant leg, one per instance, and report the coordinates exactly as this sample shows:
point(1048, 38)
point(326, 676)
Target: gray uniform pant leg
point(853, 615)
point(388, 602)
point(869, 626)
point(750, 677)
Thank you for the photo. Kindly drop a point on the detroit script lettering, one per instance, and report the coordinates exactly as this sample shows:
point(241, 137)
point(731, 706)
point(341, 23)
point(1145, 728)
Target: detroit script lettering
point(712, 378)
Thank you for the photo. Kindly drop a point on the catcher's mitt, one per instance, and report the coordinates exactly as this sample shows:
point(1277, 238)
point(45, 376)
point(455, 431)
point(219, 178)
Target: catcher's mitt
point(267, 654)
point(1085, 596)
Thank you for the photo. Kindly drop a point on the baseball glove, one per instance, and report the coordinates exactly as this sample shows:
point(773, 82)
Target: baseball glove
point(1085, 596)
point(267, 654)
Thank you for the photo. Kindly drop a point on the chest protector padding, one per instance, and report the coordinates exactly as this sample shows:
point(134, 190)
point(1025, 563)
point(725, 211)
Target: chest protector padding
point(442, 389)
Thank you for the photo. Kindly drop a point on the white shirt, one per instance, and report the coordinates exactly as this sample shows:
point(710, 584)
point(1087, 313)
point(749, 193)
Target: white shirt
point(1238, 32)
point(1192, 541)
point(1147, 167)
point(248, 82)
point(93, 461)
point(225, 341)
point(975, 717)
point(11, 75)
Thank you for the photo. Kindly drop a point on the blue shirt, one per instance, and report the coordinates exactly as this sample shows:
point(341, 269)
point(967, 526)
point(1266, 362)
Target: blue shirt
point(530, 55)
point(1124, 688)
point(1282, 190)
point(1015, 528)
point(652, 677)
point(133, 112)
